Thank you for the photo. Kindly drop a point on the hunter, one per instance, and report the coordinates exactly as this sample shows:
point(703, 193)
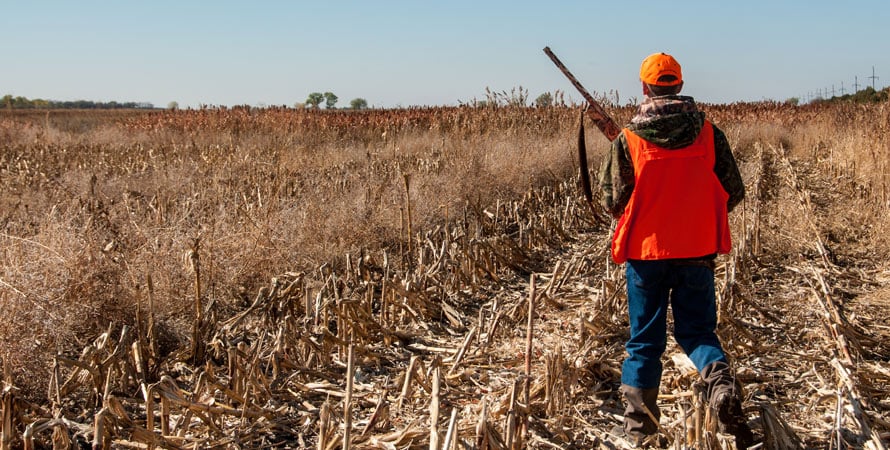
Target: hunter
point(671, 180)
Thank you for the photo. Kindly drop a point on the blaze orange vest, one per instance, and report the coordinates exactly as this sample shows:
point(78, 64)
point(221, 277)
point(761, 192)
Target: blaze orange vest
point(678, 206)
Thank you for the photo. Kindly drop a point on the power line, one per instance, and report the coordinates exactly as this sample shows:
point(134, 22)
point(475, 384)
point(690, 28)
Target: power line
point(856, 83)
point(873, 77)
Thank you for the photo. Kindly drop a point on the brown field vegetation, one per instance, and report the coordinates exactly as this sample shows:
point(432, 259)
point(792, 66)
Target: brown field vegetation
point(279, 278)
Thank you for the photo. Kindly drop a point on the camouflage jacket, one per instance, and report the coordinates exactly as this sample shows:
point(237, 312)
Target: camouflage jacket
point(672, 121)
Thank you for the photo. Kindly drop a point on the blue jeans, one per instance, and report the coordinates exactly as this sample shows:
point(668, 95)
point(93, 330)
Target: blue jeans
point(690, 291)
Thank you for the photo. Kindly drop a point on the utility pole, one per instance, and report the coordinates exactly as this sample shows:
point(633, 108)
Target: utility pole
point(873, 77)
point(856, 84)
point(842, 89)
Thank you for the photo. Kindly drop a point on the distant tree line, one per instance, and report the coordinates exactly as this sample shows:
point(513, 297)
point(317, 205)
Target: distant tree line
point(867, 95)
point(10, 102)
point(315, 99)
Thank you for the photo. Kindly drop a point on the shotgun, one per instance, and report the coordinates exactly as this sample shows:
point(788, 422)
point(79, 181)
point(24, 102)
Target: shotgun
point(600, 118)
point(597, 114)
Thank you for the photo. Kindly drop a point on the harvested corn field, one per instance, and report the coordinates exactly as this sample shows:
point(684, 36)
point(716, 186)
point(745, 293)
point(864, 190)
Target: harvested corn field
point(424, 278)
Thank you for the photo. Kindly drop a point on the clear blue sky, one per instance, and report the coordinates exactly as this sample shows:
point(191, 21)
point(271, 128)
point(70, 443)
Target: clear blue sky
point(402, 53)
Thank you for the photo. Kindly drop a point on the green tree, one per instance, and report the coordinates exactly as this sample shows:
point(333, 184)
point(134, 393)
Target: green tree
point(314, 99)
point(544, 100)
point(330, 100)
point(358, 103)
point(21, 102)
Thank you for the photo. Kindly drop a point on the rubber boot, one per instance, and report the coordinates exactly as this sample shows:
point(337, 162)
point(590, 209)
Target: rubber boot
point(638, 424)
point(725, 398)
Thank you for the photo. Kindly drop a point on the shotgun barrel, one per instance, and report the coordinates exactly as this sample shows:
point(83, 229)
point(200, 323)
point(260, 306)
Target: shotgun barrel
point(595, 111)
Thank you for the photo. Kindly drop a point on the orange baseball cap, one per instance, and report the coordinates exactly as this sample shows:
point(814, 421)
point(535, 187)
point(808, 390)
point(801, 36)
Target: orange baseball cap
point(657, 65)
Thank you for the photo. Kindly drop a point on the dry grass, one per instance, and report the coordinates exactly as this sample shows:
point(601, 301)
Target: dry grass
point(105, 218)
point(95, 203)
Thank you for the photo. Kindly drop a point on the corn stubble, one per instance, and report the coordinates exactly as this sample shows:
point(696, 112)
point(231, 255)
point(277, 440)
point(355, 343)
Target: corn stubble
point(420, 278)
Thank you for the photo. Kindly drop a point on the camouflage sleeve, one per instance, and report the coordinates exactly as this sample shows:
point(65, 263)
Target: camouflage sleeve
point(727, 171)
point(616, 177)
